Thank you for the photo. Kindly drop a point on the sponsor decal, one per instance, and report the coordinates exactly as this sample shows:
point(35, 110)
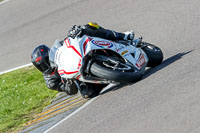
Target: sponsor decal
point(124, 52)
point(102, 44)
point(140, 62)
point(120, 48)
point(126, 55)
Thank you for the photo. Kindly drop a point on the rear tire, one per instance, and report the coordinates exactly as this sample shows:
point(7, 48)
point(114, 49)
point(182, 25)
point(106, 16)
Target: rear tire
point(154, 54)
point(114, 75)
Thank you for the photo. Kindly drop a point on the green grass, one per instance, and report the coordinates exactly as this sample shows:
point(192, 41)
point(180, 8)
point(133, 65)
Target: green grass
point(23, 94)
point(1, 0)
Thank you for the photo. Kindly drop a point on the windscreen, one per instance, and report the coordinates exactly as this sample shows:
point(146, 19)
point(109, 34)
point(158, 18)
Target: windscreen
point(52, 53)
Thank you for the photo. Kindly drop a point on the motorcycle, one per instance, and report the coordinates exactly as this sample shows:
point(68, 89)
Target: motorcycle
point(99, 61)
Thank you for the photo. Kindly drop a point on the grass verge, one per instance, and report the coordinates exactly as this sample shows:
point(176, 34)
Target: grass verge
point(23, 94)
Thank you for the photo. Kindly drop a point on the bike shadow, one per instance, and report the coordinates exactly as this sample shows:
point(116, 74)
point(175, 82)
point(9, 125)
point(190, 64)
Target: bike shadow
point(150, 71)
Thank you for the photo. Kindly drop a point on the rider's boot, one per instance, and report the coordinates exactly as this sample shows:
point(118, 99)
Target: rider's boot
point(85, 91)
point(88, 90)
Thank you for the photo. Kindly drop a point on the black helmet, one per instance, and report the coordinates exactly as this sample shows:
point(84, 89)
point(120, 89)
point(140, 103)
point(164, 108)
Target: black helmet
point(40, 57)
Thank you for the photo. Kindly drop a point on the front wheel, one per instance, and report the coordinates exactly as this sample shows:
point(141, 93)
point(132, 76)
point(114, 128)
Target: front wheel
point(154, 54)
point(118, 75)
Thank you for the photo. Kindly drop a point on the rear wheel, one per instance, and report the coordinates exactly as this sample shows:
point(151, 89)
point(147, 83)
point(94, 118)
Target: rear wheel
point(154, 54)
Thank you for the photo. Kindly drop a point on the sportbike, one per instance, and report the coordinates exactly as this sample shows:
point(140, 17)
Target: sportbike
point(99, 61)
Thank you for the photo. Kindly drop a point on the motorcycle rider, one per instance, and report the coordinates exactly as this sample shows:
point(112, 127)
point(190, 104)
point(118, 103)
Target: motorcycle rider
point(40, 59)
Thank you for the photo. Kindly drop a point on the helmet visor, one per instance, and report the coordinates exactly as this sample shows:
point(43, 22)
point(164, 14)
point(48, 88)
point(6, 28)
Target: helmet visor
point(44, 66)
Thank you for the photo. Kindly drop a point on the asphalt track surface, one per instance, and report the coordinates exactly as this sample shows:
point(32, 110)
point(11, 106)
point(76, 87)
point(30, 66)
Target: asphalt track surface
point(167, 100)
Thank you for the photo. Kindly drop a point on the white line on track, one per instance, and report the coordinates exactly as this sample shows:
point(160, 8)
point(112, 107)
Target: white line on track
point(3, 2)
point(16, 68)
point(73, 113)
point(76, 111)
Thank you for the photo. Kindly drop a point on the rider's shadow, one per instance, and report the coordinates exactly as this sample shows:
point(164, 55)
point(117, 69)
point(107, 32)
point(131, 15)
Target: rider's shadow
point(150, 71)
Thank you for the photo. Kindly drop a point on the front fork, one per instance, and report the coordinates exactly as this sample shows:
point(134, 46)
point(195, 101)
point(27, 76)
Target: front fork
point(137, 42)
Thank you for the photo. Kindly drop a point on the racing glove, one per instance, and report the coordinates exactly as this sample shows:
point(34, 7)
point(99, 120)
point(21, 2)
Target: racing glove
point(129, 35)
point(74, 31)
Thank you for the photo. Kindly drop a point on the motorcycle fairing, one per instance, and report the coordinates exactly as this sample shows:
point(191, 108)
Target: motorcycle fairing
point(70, 55)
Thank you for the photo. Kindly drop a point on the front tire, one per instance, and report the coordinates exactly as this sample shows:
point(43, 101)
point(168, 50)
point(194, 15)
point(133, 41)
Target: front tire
point(154, 54)
point(114, 75)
